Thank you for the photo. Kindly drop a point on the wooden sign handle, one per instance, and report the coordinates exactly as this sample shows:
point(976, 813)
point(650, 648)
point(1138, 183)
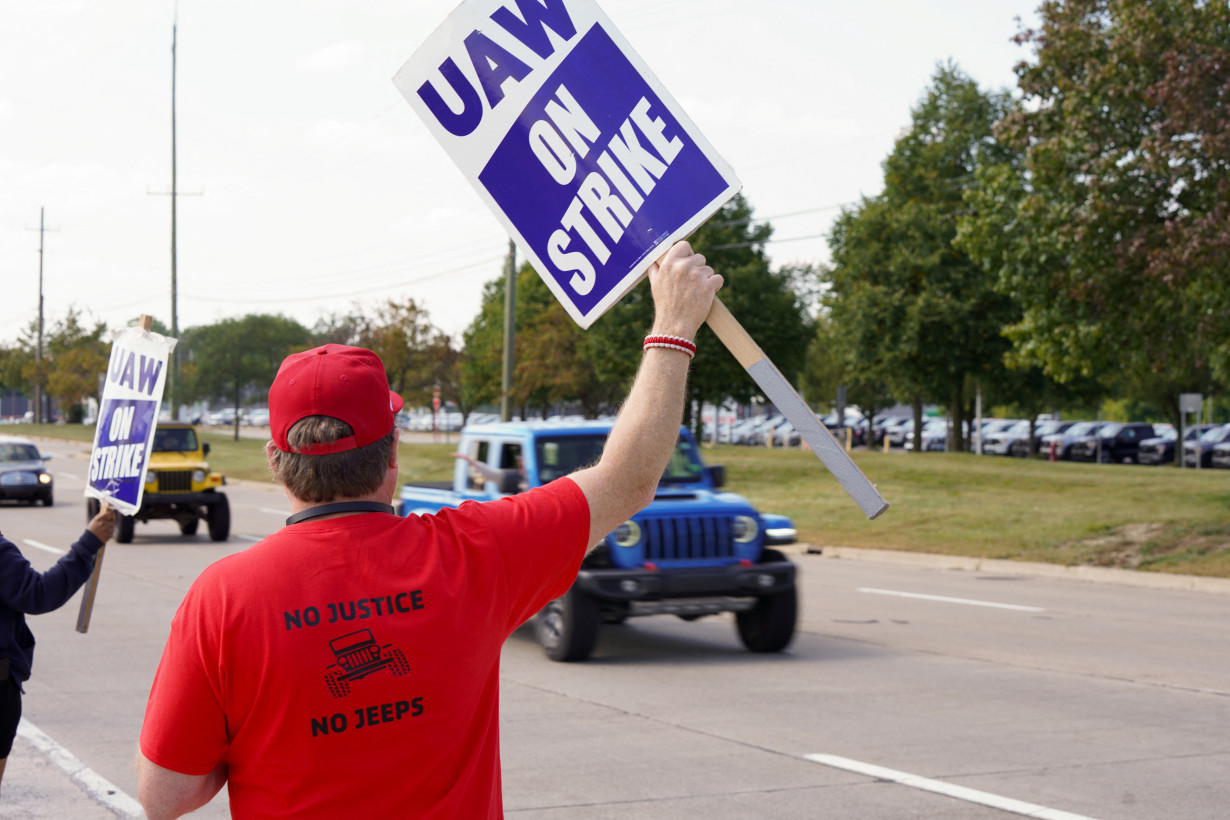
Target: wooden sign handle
point(791, 405)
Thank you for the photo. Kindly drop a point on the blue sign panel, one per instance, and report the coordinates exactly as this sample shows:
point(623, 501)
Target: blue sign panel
point(597, 172)
point(117, 463)
point(570, 140)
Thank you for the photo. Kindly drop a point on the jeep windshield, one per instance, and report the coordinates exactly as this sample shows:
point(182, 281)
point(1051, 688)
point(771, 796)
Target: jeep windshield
point(560, 455)
point(174, 440)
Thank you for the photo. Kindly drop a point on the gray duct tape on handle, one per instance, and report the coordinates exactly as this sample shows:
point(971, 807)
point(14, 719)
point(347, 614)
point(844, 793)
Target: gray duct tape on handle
point(777, 390)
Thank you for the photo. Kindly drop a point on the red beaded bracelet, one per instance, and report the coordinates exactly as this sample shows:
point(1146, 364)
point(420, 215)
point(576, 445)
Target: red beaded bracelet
point(672, 343)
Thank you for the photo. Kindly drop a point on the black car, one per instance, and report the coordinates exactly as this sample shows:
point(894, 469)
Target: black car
point(1160, 450)
point(1202, 448)
point(1114, 442)
point(23, 475)
point(1220, 457)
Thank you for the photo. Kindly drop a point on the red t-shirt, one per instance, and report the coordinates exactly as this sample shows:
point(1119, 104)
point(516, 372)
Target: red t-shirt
point(350, 666)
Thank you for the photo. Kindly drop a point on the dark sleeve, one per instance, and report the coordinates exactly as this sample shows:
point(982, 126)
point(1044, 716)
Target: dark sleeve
point(26, 590)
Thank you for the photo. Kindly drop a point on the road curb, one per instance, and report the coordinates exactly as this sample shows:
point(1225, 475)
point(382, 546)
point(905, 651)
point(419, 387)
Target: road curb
point(999, 566)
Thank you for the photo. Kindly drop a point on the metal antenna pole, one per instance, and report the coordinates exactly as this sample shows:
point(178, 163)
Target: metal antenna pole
point(510, 310)
point(38, 349)
point(173, 373)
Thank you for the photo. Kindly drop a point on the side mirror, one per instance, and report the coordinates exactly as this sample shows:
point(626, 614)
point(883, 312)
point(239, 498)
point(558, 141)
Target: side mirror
point(510, 482)
point(717, 474)
point(205, 447)
point(47, 458)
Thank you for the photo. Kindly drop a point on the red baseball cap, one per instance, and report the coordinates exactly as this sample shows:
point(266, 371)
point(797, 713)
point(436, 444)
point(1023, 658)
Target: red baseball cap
point(342, 382)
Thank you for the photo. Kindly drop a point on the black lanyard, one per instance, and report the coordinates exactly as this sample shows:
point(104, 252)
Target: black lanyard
point(339, 507)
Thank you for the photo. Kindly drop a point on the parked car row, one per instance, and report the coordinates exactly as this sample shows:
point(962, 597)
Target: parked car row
point(1206, 445)
point(778, 431)
point(1210, 449)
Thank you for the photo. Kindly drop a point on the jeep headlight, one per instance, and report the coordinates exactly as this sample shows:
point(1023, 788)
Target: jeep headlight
point(151, 478)
point(198, 476)
point(744, 529)
point(627, 534)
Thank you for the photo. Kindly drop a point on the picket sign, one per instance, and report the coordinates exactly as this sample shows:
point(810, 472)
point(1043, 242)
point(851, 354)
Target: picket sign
point(588, 163)
point(127, 415)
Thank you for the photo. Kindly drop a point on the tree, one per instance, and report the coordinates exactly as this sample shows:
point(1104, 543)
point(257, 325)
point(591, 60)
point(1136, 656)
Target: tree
point(1109, 221)
point(480, 370)
point(554, 362)
point(74, 356)
point(917, 313)
point(13, 361)
point(235, 357)
point(402, 335)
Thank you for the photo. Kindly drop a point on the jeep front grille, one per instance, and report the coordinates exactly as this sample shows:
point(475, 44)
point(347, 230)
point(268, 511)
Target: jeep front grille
point(683, 539)
point(359, 657)
point(174, 481)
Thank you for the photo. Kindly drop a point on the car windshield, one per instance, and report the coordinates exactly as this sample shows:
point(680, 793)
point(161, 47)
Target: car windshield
point(1048, 427)
point(560, 455)
point(1213, 434)
point(1110, 430)
point(174, 440)
point(1082, 428)
point(18, 452)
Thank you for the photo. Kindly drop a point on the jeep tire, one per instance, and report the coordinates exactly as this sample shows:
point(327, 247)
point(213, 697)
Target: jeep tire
point(567, 628)
point(124, 525)
point(219, 519)
point(189, 526)
point(769, 625)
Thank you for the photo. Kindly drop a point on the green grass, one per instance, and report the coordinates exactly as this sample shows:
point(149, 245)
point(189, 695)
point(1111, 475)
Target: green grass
point(1150, 518)
point(1155, 518)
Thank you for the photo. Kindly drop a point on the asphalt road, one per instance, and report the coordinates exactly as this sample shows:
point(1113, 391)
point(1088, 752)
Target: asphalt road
point(910, 691)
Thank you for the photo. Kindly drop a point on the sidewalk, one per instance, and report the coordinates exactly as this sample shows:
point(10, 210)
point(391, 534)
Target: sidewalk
point(44, 780)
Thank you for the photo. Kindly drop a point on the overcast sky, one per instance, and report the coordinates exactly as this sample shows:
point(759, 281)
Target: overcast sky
point(308, 185)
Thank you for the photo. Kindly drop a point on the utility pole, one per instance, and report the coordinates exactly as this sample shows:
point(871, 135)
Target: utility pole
point(510, 310)
point(172, 390)
point(173, 375)
point(38, 344)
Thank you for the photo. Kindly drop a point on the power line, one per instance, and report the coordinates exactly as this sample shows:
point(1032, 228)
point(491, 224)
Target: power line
point(352, 292)
point(734, 245)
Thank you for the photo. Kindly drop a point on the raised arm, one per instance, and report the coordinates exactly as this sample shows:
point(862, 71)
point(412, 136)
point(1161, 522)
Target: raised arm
point(626, 477)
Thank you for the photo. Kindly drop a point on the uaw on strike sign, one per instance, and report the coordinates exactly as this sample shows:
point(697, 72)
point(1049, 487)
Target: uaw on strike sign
point(132, 394)
point(572, 142)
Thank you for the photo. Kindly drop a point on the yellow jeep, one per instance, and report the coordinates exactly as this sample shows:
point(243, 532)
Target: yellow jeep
point(178, 485)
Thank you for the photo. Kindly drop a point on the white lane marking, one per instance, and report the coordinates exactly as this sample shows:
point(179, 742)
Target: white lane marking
point(73, 476)
point(94, 784)
point(38, 545)
point(253, 538)
point(914, 781)
point(947, 600)
point(272, 511)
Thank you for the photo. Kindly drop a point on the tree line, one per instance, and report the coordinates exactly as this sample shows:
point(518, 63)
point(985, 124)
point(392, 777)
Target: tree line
point(1044, 248)
point(1054, 246)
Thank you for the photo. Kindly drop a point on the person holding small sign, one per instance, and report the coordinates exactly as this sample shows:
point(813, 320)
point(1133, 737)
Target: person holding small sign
point(24, 591)
point(348, 665)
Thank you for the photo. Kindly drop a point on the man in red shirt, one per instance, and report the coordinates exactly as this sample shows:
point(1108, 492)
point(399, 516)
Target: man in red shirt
point(349, 663)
